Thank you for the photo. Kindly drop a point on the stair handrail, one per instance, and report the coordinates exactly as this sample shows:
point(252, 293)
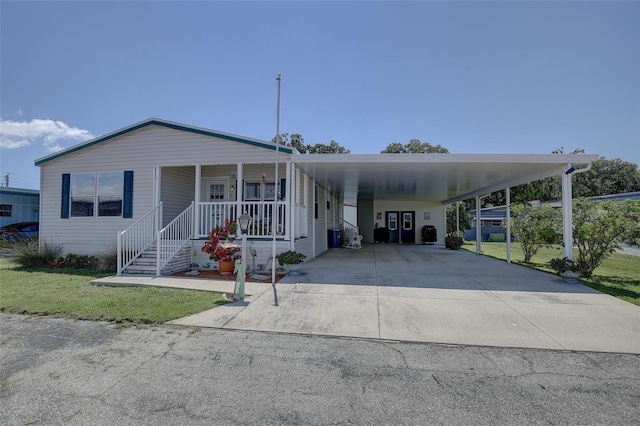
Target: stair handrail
point(138, 237)
point(173, 237)
point(343, 223)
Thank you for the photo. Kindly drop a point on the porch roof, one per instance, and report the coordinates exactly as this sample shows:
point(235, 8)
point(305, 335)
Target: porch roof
point(432, 177)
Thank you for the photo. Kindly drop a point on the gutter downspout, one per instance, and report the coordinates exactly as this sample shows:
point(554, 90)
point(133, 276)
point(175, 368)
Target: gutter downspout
point(567, 208)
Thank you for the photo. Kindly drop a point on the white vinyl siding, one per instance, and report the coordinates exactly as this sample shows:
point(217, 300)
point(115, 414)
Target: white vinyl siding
point(301, 203)
point(140, 152)
point(177, 189)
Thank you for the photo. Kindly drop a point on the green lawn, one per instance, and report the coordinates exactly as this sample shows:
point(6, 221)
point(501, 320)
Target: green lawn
point(67, 293)
point(618, 275)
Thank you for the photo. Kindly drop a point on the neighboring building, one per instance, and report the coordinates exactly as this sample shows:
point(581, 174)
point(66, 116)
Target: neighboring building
point(19, 205)
point(491, 224)
point(160, 182)
point(492, 217)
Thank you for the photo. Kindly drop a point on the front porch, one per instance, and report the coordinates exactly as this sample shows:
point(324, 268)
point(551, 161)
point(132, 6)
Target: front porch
point(190, 201)
point(144, 249)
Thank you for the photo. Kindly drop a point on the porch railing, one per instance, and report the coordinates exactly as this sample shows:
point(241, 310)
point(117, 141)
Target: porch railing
point(173, 237)
point(138, 237)
point(214, 214)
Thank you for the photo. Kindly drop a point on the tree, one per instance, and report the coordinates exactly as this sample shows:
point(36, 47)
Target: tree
point(463, 216)
point(534, 228)
point(607, 177)
point(600, 227)
point(332, 148)
point(561, 151)
point(414, 146)
point(296, 141)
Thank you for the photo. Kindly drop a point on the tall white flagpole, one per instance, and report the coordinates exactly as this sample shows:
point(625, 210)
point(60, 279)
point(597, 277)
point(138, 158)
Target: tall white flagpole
point(275, 213)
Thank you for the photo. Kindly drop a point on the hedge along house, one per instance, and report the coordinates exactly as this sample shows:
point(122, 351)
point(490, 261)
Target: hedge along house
point(153, 191)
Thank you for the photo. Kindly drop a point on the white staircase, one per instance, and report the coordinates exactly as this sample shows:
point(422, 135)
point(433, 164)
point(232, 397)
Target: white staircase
point(146, 263)
point(145, 249)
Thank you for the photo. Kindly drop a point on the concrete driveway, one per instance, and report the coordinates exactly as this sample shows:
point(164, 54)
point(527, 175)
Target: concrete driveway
point(430, 294)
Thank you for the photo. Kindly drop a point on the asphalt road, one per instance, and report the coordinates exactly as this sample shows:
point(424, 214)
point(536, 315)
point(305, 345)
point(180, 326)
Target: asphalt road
point(78, 373)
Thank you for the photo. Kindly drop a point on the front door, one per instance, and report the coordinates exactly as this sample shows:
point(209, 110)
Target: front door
point(401, 227)
point(407, 228)
point(393, 227)
point(215, 190)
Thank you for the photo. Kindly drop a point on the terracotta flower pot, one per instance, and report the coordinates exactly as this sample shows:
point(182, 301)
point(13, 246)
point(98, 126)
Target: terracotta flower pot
point(225, 267)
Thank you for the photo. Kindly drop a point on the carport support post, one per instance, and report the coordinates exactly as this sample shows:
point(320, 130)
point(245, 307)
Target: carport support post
point(567, 213)
point(478, 225)
point(508, 224)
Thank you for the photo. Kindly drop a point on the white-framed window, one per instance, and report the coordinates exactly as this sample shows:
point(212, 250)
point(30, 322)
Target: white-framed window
point(6, 210)
point(407, 221)
point(214, 189)
point(259, 191)
point(96, 194)
point(316, 200)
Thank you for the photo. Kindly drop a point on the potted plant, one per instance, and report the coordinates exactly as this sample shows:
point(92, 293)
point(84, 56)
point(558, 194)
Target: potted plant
point(566, 268)
point(291, 260)
point(220, 247)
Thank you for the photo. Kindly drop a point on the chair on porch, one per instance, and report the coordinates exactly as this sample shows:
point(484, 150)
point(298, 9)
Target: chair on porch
point(352, 239)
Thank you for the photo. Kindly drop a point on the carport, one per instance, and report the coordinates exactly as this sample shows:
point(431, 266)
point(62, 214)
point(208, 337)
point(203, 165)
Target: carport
point(366, 179)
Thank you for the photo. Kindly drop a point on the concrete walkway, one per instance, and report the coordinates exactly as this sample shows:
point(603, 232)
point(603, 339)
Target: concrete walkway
point(424, 294)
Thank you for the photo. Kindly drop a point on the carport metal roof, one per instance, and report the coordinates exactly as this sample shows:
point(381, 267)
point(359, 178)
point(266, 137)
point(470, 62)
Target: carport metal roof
point(432, 177)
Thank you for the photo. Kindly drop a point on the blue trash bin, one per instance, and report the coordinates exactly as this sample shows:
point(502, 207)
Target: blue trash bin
point(334, 237)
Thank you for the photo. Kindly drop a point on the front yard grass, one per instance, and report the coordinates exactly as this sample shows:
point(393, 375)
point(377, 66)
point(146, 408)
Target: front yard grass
point(618, 275)
point(67, 293)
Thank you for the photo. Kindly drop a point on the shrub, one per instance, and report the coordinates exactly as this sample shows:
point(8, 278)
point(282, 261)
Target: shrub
point(534, 228)
point(109, 261)
point(28, 253)
point(565, 264)
point(290, 258)
point(599, 229)
point(78, 261)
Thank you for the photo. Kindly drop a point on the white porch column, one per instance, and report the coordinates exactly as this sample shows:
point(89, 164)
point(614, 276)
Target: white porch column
point(567, 213)
point(157, 198)
point(478, 225)
point(196, 197)
point(239, 188)
point(508, 225)
point(293, 205)
point(289, 196)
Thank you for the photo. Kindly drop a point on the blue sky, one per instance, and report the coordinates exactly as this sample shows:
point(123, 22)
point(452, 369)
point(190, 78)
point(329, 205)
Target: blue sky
point(475, 77)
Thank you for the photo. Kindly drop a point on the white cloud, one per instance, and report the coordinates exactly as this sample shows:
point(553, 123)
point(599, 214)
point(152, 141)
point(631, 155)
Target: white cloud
point(18, 134)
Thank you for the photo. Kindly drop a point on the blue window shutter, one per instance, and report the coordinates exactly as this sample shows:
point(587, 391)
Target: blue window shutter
point(127, 204)
point(66, 192)
point(283, 188)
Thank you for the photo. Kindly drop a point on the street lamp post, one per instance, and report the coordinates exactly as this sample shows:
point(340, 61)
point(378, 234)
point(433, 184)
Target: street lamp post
point(245, 222)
